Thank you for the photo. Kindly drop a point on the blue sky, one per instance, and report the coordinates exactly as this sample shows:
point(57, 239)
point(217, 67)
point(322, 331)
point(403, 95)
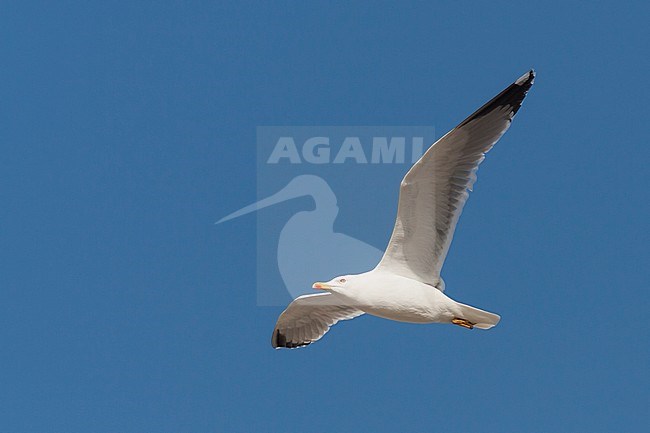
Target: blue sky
point(128, 129)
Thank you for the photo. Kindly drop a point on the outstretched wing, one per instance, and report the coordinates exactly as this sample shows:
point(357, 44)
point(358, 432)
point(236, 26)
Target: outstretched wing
point(308, 318)
point(435, 189)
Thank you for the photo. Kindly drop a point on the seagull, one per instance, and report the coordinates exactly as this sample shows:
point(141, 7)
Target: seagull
point(406, 285)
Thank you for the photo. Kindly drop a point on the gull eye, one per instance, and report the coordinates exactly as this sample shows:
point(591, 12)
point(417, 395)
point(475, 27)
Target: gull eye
point(342, 280)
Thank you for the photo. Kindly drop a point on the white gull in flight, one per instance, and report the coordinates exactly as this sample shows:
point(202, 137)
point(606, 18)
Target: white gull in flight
point(406, 285)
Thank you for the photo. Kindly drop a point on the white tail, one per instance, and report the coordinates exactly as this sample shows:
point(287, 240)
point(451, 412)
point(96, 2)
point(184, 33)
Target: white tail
point(481, 319)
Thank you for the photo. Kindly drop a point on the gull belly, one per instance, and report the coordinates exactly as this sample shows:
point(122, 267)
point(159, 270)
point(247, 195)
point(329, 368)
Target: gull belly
point(400, 298)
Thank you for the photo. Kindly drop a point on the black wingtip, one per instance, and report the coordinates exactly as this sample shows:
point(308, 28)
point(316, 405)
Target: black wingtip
point(512, 96)
point(274, 339)
point(279, 340)
point(527, 79)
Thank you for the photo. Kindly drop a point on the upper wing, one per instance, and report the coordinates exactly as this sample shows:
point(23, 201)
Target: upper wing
point(308, 318)
point(435, 189)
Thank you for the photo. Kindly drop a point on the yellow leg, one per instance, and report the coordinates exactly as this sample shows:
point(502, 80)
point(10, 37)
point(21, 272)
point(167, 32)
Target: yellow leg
point(462, 322)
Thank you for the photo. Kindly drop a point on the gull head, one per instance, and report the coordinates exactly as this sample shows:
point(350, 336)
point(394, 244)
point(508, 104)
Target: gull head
point(337, 284)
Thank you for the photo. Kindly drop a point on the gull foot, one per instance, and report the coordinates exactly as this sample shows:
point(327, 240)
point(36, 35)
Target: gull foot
point(462, 322)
